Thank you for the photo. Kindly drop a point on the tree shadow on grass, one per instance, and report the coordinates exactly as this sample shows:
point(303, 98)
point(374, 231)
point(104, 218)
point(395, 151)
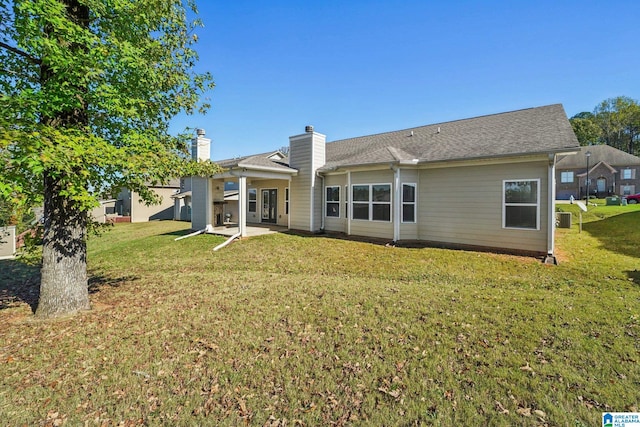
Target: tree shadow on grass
point(634, 275)
point(19, 283)
point(99, 281)
point(619, 233)
point(178, 233)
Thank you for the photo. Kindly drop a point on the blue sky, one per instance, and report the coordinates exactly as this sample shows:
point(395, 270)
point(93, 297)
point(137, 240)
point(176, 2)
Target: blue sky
point(353, 68)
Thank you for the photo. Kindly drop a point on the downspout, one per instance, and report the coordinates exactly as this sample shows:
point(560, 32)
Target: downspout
point(396, 202)
point(226, 242)
point(322, 196)
point(551, 214)
point(289, 201)
point(350, 210)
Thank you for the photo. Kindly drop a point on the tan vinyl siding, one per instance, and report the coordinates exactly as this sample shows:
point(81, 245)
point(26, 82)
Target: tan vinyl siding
point(7, 241)
point(300, 188)
point(463, 205)
point(378, 229)
point(199, 208)
point(142, 213)
point(318, 161)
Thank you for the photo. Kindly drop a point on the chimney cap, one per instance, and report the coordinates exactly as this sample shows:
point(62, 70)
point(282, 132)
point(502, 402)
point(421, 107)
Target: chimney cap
point(200, 132)
point(308, 129)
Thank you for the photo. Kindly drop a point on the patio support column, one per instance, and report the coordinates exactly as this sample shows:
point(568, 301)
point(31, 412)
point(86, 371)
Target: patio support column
point(242, 206)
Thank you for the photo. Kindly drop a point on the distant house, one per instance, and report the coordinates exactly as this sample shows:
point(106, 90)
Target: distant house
point(7, 241)
point(128, 203)
point(484, 182)
point(611, 171)
point(105, 211)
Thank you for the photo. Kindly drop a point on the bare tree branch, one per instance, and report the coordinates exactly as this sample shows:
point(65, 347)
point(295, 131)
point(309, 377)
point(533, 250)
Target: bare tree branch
point(35, 61)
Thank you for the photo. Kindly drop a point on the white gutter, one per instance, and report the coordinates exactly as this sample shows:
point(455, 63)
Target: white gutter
point(291, 171)
point(226, 242)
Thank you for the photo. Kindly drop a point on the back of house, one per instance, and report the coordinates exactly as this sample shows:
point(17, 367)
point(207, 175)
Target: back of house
point(484, 182)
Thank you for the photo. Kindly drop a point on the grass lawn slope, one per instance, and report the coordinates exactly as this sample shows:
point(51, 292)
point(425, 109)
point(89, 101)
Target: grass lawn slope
point(295, 330)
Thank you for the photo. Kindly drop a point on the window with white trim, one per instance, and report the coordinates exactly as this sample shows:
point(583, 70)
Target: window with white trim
point(521, 204)
point(408, 202)
point(286, 201)
point(371, 202)
point(253, 199)
point(332, 201)
point(627, 174)
point(566, 176)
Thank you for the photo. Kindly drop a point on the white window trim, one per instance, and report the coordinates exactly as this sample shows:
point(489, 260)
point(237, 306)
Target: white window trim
point(623, 175)
point(286, 201)
point(249, 201)
point(537, 204)
point(565, 181)
point(415, 202)
point(338, 202)
point(371, 202)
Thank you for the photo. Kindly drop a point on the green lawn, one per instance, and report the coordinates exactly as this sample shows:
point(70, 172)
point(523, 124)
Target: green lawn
point(297, 330)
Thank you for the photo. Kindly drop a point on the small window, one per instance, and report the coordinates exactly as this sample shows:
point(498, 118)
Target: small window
point(521, 206)
point(408, 202)
point(286, 200)
point(627, 173)
point(332, 201)
point(253, 199)
point(566, 176)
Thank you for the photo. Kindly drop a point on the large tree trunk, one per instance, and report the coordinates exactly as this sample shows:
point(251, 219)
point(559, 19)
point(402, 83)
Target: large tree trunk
point(63, 287)
point(63, 284)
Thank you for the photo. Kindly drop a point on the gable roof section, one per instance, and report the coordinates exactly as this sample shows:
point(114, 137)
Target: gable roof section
point(599, 153)
point(531, 131)
point(274, 160)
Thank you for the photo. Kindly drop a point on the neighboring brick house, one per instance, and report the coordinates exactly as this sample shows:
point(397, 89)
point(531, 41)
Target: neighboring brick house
point(611, 172)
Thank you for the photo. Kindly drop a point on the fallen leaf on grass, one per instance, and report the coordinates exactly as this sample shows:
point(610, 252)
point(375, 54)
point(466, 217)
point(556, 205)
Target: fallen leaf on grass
point(393, 393)
point(525, 412)
point(501, 408)
point(540, 413)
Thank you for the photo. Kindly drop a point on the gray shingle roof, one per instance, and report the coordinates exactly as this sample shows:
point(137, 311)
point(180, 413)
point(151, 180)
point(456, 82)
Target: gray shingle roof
point(599, 153)
point(260, 160)
point(534, 130)
point(531, 131)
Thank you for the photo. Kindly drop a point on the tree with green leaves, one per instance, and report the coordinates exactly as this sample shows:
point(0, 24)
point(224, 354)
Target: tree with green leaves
point(619, 119)
point(614, 121)
point(87, 90)
point(586, 129)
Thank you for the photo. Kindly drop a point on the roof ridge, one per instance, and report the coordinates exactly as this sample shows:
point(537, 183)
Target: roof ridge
point(446, 122)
